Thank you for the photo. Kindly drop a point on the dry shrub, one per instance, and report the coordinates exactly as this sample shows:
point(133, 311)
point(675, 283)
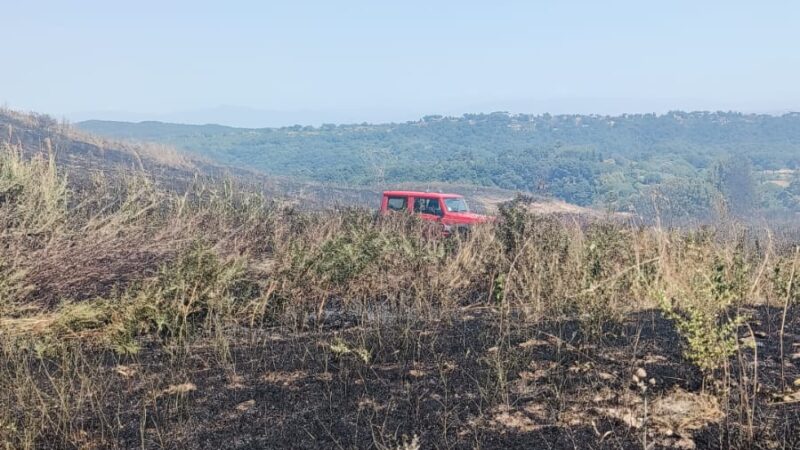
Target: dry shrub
point(471, 270)
point(32, 196)
point(48, 391)
point(558, 268)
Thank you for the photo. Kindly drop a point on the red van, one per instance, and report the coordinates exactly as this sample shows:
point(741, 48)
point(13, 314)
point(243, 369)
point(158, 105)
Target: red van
point(450, 210)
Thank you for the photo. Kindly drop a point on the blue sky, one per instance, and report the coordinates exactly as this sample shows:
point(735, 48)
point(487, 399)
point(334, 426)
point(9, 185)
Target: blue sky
point(372, 61)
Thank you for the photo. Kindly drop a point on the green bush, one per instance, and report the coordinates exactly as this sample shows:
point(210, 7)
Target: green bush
point(708, 322)
point(184, 296)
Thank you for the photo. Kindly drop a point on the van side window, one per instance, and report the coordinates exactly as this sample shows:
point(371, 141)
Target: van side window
point(420, 204)
point(427, 206)
point(397, 203)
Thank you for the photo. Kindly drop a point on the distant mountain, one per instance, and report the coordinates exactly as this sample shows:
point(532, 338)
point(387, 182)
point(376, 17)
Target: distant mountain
point(253, 117)
point(248, 117)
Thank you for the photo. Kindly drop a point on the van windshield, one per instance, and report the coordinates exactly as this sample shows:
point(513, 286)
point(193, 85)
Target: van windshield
point(456, 205)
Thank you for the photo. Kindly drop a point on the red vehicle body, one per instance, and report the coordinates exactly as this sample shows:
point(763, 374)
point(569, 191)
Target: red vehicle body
point(450, 210)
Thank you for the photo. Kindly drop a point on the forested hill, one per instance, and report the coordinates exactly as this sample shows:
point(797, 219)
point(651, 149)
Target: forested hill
point(621, 162)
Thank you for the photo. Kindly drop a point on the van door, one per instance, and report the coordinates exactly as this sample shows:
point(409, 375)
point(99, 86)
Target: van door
point(428, 208)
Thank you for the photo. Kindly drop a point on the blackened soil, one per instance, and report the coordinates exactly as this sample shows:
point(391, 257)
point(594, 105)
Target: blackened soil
point(464, 381)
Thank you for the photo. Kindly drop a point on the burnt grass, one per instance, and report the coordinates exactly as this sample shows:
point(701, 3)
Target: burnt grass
point(470, 379)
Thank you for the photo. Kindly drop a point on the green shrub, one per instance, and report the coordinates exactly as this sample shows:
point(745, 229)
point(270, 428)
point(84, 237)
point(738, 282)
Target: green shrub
point(785, 280)
point(706, 321)
point(711, 339)
point(184, 296)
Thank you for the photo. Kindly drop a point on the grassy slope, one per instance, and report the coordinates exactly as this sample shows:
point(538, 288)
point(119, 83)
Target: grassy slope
point(136, 316)
point(83, 156)
point(86, 154)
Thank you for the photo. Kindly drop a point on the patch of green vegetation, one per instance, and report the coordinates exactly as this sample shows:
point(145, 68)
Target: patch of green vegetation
point(717, 282)
point(183, 296)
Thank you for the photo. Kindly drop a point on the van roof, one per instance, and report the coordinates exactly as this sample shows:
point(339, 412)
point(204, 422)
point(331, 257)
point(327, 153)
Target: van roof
point(420, 194)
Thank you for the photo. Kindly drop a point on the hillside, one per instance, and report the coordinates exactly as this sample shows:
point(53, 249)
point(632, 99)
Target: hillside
point(135, 316)
point(620, 162)
point(86, 158)
point(84, 155)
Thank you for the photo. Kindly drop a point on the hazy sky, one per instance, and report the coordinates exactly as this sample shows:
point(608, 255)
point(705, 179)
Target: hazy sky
point(376, 60)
